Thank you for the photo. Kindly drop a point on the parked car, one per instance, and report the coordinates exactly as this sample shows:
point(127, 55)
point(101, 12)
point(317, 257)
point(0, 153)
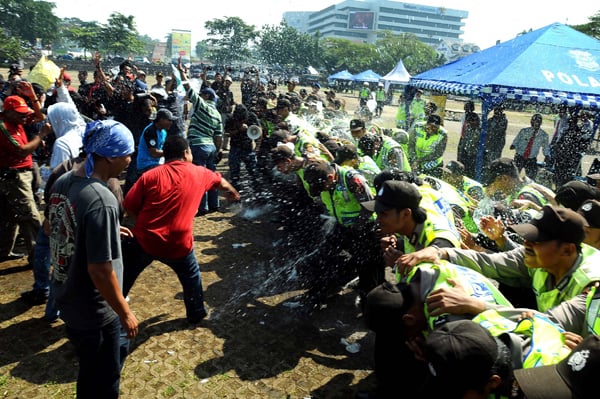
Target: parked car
point(116, 60)
point(141, 61)
point(210, 74)
point(196, 71)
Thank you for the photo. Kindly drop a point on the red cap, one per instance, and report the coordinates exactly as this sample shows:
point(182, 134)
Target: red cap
point(66, 76)
point(17, 104)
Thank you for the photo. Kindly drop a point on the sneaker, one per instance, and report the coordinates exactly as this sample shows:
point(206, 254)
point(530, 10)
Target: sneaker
point(11, 256)
point(34, 297)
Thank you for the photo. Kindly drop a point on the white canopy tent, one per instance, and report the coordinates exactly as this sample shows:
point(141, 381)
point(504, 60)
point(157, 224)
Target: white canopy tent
point(398, 75)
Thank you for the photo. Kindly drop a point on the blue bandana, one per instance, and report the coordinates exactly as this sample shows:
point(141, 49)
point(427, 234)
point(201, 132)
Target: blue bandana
point(107, 138)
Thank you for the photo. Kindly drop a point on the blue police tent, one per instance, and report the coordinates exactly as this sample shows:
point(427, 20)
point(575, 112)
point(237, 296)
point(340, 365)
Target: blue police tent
point(367, 76)
point(341, 75)
point(555, 64)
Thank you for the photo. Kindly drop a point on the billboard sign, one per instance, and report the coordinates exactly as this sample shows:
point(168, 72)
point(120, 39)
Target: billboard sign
point(363, 20)
point(181, 43)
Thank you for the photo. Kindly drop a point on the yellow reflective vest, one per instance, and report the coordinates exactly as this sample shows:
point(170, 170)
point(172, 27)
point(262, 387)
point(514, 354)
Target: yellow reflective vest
point(439, 223)
point(456, 198)
point(369, 169)
point(570, 286)
point(476, 285)
point(340, 202)
point(425, 145)
point(592, 311)
point(384, 159)
point(546, 340)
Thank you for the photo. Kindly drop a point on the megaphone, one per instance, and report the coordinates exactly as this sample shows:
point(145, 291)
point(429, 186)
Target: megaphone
point(254, 132)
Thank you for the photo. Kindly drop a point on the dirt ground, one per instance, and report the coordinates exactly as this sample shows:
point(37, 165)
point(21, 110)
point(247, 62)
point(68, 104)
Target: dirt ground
point(255, 344)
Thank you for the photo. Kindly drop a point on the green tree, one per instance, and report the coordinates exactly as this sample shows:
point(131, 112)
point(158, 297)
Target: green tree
point(416, 55)
point(120, 36)
point(339, 54)
point(148, 44)
point(592, 28)
point(284, 45)
point(229, 39)
point(10, 47)
point(87, 35)
point(201, 50)
point(29, 20)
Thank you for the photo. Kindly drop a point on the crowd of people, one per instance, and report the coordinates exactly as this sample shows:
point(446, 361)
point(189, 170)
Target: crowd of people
point(474, 281)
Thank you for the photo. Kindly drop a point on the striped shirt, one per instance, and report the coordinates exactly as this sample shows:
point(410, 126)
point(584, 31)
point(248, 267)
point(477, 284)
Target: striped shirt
point(205, 122)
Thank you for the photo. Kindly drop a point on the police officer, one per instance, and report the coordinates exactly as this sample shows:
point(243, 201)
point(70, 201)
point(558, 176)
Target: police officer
point(427, 145)
point(410, 221)
point(347, 155)
point(385, 151)
point(380, 99)
point(454, 173)
point(364, 94)
point(341, 190)
point(550, 262)
point(505, 183)
point(402, 313)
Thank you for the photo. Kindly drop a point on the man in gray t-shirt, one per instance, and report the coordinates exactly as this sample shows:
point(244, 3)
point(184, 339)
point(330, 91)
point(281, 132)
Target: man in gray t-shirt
point(85, 251)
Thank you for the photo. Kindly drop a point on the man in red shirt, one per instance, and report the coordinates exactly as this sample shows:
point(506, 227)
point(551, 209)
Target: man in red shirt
point(164, 202)
point(17, 204)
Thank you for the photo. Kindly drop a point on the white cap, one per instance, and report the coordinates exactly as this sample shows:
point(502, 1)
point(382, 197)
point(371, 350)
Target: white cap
point(365, 83)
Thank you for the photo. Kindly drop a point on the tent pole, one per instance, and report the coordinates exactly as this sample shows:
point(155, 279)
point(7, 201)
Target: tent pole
point(485, 109)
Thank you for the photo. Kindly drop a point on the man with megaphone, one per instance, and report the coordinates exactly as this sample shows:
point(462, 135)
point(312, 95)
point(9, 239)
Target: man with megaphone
point(244, 128)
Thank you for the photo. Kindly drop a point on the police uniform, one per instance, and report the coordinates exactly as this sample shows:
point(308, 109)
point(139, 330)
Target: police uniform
point(424, 146)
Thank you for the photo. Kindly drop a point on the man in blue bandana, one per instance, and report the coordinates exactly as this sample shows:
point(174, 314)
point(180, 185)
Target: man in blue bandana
point(86, 257)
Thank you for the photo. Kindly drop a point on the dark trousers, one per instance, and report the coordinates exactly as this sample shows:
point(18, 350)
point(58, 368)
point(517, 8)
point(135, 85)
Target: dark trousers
point(101, 353)
point(345, 253)
point(186, 268)
point(398, 372)
point(530, 165)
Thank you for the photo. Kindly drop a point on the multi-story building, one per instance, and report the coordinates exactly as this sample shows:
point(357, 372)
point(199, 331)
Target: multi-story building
point(362, 20)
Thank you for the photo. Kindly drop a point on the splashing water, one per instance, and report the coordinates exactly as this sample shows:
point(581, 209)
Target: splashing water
point(484, 208)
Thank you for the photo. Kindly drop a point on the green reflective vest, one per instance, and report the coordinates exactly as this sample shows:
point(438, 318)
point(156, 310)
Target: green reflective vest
point(592, 311)
point(439, 223)
point(364, 93)
point(574, 284)
point(456, 198)
point(417, 109)
point(380, 95)
point(401, 116)
point(546, 341)
point(300, 173)
point(369, 169)
point(340, 202)
point(476, 285)
point(267, 126)
point(384, 157)
point(424, 145)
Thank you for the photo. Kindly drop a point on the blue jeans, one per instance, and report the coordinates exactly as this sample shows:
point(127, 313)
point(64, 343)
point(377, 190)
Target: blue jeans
point(238, 155)
point(101, 353)
point(186, 268)
point(41, 262)
point(206, 155)
point(41, 272)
